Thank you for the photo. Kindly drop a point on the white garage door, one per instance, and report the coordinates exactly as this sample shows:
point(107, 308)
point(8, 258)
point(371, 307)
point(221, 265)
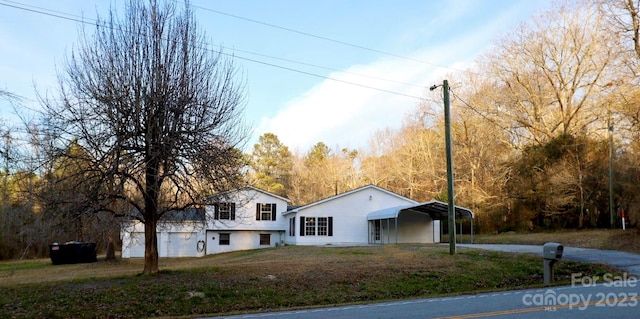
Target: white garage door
point(183, 244)
point(137, 245)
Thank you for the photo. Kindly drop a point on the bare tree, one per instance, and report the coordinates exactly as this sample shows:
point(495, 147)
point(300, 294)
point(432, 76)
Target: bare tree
point(157, 112)
point(548, 75)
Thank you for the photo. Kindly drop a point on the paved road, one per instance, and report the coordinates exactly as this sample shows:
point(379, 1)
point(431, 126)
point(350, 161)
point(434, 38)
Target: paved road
point(628, 262)
point(574, 302)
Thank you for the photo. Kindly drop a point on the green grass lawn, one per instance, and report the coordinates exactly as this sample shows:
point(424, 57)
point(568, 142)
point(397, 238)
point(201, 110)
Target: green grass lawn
point(276, 278)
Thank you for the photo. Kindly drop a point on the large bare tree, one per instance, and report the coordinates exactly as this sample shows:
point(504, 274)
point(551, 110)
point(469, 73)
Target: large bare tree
point(549, 75)
point(157, 111)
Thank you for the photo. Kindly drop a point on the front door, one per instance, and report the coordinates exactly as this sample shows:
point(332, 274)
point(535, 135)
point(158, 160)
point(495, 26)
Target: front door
point(376, 236)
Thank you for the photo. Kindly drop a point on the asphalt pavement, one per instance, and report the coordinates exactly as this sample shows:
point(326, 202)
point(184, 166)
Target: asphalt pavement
point(628, 262)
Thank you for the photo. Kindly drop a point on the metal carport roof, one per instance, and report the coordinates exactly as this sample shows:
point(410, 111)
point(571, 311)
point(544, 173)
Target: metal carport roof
point(437, 210)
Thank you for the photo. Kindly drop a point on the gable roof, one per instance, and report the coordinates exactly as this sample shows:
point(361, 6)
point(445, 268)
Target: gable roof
point(359, 189)
point(247, 187)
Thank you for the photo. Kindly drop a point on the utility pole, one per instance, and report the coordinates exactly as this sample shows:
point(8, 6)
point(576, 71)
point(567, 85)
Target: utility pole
point(450, 194)
point(611, 205)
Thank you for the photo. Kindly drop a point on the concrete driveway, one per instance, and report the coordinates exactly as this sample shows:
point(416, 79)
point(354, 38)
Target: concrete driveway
point(628, 262)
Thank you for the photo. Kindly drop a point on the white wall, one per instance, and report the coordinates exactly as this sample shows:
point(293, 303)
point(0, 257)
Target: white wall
point(174, 239)
point(246, 201)
point(349, 214)
point(181, 239)
point(240, 240)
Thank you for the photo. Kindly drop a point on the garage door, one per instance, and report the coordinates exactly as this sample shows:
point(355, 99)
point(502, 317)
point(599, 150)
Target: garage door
point(137, 245)
point(183, 244)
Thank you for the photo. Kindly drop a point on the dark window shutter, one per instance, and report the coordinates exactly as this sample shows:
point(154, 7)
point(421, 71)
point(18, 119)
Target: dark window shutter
point(216, 211)
point(273, 211)
point(258, 211)
point(301, 225)
point(330, 222)
point(233, 211)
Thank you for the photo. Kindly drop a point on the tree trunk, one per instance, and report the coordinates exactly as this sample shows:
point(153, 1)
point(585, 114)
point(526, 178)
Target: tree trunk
point(111, 251)
point(150, 247)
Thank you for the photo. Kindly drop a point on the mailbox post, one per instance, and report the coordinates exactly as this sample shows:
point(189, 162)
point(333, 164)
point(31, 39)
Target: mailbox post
point(551, 252)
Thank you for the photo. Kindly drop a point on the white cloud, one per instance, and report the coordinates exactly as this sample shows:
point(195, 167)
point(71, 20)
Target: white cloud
point(344, 115)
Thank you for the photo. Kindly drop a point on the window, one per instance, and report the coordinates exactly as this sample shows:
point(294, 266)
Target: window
point(225, 211)
point(322, 226)
point(224, 239)
point(310, 226)
point(292, 226)
point(266, 211)
point(265, 239)
point(314, 226)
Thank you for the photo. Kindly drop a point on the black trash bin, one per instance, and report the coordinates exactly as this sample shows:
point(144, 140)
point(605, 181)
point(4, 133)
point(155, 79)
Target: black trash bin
point(73, 253)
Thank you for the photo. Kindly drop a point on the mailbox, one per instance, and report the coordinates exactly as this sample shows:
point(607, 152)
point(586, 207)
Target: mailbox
point(552, 251)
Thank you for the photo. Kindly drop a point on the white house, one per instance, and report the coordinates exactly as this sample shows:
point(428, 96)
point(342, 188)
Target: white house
point(245, 218)
point(367, 215)
point(342, 219)
point(250, 218)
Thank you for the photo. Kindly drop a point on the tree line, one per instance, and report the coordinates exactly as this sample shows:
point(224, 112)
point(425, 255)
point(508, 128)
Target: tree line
point(147, 120)
point(541, 123)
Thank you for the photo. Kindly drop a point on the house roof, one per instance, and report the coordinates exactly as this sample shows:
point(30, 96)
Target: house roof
point(437, 210)
point(248, 187)
point(370, 186)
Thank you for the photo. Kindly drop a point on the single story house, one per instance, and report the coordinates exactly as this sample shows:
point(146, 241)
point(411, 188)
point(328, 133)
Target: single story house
point(250, 218)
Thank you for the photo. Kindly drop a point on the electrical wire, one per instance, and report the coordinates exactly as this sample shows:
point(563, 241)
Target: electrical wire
point(88, 21)
point(320, 37)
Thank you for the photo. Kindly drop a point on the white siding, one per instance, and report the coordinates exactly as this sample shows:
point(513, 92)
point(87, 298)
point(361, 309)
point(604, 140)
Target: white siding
point(136, 246)
point(174, 239)
point(182, 244)
point(241, 240)
point(245, 219)
point(349, 214)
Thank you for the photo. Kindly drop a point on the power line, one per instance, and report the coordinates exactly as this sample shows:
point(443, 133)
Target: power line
point(325, 68)
point(75, 18)
point(322, 76)
point(40, 10)
point(271, 25)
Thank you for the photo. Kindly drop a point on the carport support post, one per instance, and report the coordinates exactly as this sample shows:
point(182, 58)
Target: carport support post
point(450, 203)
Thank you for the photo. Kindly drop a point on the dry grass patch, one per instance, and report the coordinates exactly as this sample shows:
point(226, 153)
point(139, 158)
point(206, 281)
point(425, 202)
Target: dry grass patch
point(278, 278)
point(622, 240)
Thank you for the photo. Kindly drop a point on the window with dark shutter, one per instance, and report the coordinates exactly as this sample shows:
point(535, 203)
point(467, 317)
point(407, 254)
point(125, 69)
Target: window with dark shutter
point(301, 225)
point(224, 211)
point(292, 226)
point(258, 207)
point(273, 211)
point(322, 229)
point(330, 226)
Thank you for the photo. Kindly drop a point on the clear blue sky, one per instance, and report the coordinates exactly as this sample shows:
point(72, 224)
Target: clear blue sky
point(302, 109)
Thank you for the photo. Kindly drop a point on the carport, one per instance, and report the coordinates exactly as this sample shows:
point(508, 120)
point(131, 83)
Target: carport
point(436, 210)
